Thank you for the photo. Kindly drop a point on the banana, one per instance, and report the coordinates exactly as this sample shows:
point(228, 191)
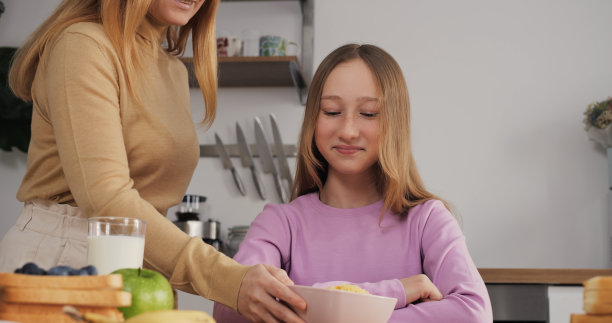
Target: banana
point(162, 316)
point(98, 318)
point(174, 316)
point(89, 317)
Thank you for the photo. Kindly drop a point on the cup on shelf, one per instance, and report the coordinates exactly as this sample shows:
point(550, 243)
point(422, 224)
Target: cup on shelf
point(250, 39)
point(272, 45)
point(229, 46)
point(115, 243)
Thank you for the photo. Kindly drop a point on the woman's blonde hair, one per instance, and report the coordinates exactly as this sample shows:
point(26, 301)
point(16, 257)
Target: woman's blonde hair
point(121, 19)
point(397, 178)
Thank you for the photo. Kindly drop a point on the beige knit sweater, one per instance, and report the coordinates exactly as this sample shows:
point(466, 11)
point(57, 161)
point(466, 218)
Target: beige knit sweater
point(94, 147)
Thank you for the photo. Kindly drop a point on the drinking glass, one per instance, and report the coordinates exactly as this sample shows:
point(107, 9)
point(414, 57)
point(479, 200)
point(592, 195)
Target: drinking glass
point(115, 243)
point(250, 40)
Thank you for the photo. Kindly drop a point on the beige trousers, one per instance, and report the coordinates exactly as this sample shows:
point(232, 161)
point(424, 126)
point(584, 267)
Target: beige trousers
point(47, 234)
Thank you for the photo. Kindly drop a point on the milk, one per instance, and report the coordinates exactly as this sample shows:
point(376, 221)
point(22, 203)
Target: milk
point(111, 252)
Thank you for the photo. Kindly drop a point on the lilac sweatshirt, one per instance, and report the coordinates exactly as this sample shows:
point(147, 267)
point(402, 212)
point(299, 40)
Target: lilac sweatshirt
point(321, 245)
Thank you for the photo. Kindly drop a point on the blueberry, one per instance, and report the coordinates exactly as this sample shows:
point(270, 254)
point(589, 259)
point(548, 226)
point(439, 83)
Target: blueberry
point(59, 271)
point(32, 269)
point(91, 270)
point(78, 272)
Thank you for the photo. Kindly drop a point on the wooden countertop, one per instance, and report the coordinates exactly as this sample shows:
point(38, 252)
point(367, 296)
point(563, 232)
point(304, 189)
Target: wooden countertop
point(540, 276)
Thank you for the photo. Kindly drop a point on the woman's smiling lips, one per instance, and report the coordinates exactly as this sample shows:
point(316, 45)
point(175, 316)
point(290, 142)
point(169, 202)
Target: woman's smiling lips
point(186, 4)
point(347, 150)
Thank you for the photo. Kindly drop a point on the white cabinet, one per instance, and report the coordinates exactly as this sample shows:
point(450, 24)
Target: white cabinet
point(563, 301)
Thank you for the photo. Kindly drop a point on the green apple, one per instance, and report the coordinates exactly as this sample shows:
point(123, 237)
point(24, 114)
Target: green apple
point(150, 291)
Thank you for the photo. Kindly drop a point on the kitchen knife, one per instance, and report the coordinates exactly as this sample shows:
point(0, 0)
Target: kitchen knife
point(247, 161)
point(227, 164)
point(283, 165)
point(267, 162)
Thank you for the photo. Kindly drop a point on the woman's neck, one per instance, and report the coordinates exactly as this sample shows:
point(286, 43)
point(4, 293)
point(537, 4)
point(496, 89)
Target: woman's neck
point(152, 30)
point(348, 192)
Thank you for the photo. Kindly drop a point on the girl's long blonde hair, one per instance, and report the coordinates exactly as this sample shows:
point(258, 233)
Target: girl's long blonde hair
point(121, 19)
point(397, 179)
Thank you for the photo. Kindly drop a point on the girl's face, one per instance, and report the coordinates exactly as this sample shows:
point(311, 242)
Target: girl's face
point(174, 12)
point(348, 126)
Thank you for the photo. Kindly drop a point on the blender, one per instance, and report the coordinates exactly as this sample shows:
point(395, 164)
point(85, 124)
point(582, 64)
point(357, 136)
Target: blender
point(188, 215)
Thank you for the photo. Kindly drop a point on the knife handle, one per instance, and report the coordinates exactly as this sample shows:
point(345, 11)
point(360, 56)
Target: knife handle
point(258, 183)
point(280, 188)
point(238, 182)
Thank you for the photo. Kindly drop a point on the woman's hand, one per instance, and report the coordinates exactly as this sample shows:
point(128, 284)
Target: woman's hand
point(419, 287)
point(260, 288)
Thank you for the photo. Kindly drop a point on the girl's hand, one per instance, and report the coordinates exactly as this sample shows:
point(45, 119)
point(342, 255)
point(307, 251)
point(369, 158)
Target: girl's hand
point(261, 287)
point(419, 287)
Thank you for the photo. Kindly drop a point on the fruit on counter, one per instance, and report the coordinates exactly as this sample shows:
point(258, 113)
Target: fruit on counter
point(31, 268)
point(163, 316)
point(97, 318)
point(90, 317)
point(59, 271)
point(84, 271)
point(150, 291)
point(174, 316)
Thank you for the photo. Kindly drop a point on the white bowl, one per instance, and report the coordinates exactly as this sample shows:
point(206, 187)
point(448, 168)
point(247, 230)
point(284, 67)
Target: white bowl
point(333, 306)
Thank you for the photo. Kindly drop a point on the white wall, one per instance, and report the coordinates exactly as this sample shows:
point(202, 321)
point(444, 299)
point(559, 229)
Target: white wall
point(497, 88)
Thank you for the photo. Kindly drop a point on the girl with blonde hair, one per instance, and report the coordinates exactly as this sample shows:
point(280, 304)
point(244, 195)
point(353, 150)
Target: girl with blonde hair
point(113, 135)
point(360, 213)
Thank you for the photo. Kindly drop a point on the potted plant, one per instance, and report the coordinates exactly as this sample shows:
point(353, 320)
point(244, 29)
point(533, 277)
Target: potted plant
point(598, 124)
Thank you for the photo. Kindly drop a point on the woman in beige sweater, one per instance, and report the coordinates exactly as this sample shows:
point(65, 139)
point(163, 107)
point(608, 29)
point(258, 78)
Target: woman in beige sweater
point(112, 135)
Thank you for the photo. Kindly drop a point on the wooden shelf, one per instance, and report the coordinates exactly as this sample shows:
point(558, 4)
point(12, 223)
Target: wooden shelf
point(540, 276)
point(251, 71)
point(269, 71)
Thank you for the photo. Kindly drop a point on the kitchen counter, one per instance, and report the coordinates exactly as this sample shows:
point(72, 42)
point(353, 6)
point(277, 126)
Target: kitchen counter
point(536, 295)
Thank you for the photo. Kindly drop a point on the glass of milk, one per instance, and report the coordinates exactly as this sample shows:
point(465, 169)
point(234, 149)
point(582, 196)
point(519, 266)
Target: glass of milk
point(115, 243)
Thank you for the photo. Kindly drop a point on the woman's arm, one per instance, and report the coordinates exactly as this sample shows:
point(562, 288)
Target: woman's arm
point(267, 242)
point(82, 83)
point(81, 80)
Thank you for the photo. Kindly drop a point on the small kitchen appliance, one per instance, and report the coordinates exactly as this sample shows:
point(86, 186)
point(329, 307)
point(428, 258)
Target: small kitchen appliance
point(188, 215)
point(212, 228)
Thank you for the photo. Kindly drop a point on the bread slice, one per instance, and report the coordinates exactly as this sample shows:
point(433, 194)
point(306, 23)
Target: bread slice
point(597, 308)
point(105, 297)
point(598, 296)
point(46, 309)
point(598, 283)
point(584, 318)
point(30, 298)
point(36, 318)
point(113, 281)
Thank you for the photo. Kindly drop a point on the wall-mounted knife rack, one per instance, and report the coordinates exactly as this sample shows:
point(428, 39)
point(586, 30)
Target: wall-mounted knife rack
point(232, 150)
